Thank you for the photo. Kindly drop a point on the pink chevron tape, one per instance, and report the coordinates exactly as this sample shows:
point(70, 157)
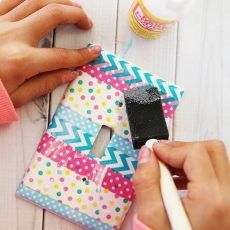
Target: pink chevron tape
point(105, 77)
point(68, 157)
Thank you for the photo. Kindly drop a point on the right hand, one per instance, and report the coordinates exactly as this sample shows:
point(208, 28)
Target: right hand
point(206, 166)
point(26, 71)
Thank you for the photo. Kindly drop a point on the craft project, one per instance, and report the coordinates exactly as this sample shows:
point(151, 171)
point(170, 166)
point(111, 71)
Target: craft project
point(146, 118)
point(64, 177)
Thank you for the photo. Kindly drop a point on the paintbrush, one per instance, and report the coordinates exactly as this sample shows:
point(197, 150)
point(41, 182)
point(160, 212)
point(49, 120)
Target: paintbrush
point(147, 125)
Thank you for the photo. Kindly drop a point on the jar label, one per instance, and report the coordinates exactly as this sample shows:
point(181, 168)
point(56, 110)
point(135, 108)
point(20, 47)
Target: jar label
point(144, 24)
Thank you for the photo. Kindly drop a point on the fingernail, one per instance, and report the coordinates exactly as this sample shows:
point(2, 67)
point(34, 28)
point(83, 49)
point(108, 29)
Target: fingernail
point(94, 49)
point(144, 155)
point(167, 142)
point(71, 76)
point(77, 5)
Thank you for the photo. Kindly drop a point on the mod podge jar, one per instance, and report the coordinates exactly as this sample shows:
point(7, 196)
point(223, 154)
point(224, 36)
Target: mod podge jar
point(152, 18)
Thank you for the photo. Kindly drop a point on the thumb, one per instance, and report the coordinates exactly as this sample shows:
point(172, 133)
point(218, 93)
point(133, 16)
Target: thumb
point(146, 181)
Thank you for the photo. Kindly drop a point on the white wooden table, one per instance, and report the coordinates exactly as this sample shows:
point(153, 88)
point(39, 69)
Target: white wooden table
point(194, 55)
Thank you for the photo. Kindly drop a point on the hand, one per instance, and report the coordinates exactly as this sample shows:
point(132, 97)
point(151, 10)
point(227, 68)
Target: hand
point(26, 71)
point(206, 166)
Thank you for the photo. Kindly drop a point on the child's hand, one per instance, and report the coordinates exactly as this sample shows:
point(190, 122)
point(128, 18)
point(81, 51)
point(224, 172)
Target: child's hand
point(26, 71)
point(206, 166)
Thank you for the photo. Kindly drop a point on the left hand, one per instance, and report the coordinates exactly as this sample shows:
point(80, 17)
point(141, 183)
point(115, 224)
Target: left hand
point(26, 71)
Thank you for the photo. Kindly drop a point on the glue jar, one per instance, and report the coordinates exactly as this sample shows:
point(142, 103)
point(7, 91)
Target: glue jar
point(152, 18)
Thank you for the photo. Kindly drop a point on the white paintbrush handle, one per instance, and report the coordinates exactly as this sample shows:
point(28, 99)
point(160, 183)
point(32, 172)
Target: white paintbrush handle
point(174, 208)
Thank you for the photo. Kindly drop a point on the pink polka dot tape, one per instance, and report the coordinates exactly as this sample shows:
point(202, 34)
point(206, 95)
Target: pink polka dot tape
point(68, 157)
point(69, 188)
point(105, 77)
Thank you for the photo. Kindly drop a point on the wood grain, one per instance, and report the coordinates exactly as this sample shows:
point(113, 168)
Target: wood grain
point(202, 68)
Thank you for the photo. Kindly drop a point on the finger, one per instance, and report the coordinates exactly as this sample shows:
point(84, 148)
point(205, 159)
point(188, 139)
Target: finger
point(52, 59)
point(28, 7)
point(193, 159)
point(217, 153)
point(146, 182)
point(8, 5)
point(219, 157)
point(46, 19)
point(41, 85)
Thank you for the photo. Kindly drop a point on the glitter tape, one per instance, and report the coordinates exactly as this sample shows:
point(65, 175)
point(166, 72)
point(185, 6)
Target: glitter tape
point(67, 157)
point(73, 190)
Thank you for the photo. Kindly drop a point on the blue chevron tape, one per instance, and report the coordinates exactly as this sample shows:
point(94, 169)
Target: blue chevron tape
point(138, 74)
point(123, 145)
point(60, 209)
point(119, 162)
point(78, 120)
point(92, 128)
point(83, 142)
point(71, 135)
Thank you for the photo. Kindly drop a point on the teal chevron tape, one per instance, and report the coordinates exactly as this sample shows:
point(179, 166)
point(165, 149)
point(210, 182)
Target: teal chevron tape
point(92, 128)
point(119, 162)
point(123, 145)
point(132, 74)
point(83, 142)
point(60, 209)
point(78, 120)
point(71, 135)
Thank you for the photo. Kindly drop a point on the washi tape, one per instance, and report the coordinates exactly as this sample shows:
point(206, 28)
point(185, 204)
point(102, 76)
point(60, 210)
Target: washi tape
point(73, 190)
point(86, 125)
point(83, 142)
point(99, 102)
point(66, 156)
point(60, 208)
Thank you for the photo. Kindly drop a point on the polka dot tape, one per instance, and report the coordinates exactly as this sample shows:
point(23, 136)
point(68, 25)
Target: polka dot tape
point(66, 156)
point(133, 76)
point(59, 208)
point(73, 190)
point(76, 119)
point(107, 77)
point(92, 128)
point(99, 102)
point(72, 135)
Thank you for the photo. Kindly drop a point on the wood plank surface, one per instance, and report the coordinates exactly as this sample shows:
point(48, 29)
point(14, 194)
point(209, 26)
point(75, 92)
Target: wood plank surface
point(203, 70)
